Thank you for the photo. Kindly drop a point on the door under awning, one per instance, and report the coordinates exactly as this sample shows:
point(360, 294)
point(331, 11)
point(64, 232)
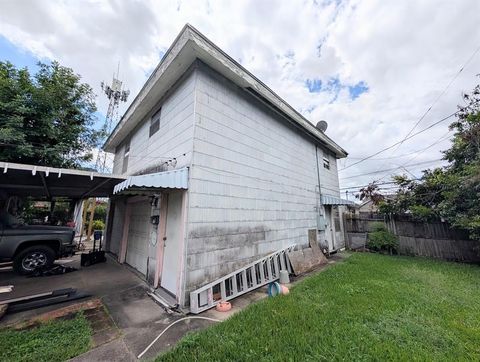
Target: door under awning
point(333, 200)
point(174, 179)
point(19, 179)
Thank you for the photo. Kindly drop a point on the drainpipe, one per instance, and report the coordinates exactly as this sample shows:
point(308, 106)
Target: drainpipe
point(318, 177)
point(320, 213)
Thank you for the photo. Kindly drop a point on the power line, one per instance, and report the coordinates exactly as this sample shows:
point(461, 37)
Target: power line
point(441, 94)
point(418, 153)
point(405, 154)
point(391, 169)
point(396, 143)
point(360, 186)
point(399, 144)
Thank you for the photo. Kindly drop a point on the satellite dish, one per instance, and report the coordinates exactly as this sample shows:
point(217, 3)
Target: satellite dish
point(322, 125)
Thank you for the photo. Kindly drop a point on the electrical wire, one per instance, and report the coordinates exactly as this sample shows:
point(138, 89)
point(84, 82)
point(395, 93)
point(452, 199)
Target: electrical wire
point(400, 156)
point(409, 134)
point(360, 186)
point(396, 143)
point(432, 105)
point(391, 169)
point(440, 95)
point(441, 139)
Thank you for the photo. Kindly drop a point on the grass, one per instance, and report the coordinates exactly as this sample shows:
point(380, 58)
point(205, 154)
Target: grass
point(370, 307)
point(56, 340)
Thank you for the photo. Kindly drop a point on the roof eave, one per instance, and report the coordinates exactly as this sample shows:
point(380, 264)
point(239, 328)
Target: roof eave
point(189, 45)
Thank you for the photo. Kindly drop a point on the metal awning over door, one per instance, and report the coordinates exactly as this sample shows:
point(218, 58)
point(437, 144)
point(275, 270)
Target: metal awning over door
point(174, 179)
point(333, 200)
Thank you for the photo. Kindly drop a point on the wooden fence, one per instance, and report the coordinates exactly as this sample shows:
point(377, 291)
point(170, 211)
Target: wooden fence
point(436, 240)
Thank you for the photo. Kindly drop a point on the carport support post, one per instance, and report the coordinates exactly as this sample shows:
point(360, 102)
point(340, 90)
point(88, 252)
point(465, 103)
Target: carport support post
point(71, 209)
point(84, 217)
point(52, 208)
point(93, 205)
point(109, 223)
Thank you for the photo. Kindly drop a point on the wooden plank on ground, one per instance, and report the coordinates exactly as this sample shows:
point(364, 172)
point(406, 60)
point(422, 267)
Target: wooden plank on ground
point(307, 259)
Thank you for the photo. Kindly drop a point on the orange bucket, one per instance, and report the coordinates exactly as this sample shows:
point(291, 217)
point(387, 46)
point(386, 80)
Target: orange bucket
point(223, 306)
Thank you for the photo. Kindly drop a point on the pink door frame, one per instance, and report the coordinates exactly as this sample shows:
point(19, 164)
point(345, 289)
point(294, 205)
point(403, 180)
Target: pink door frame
point(181, 275)
point(161, 235)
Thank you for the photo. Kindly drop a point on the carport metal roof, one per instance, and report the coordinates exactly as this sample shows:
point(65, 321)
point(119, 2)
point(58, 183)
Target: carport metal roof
point(30, 180)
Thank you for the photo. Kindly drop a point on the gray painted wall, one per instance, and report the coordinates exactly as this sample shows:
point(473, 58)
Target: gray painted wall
point(253, 178)
point(253, 181)
point(173, 139)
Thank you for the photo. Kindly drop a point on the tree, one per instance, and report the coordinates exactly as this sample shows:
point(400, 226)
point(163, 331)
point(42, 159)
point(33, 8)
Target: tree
point(451, 193)
point(461, 178)
point(46, 119)
point(371, 192)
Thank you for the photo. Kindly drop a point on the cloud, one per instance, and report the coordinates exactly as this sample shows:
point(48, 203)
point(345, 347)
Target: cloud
point(369, 68)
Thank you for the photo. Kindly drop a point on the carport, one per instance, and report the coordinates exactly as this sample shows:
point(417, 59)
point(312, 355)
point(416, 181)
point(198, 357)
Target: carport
point(23, 180)
point(39, 181)
point(122, 292)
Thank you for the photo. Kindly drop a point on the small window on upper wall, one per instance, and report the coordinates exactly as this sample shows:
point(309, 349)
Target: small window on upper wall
point(155, 123)
point(326, 161)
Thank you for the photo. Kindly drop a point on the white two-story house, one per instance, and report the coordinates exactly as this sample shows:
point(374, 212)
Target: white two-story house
point(222, 171)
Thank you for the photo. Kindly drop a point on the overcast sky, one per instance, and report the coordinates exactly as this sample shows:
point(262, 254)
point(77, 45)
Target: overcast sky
point(371, 69)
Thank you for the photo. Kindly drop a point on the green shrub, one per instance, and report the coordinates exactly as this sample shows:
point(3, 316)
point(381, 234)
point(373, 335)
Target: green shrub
point(380, 239)
point(98, 225)
point(422, 213)
point(100, 212)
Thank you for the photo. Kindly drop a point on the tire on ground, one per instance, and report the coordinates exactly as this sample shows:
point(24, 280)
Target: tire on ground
point(46, 250)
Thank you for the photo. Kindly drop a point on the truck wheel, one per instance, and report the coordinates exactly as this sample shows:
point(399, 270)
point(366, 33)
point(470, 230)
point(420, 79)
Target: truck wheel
point(32, 258)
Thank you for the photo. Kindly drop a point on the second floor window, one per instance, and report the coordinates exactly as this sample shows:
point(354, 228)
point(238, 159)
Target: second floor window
point(155, 123)
point(326, 161)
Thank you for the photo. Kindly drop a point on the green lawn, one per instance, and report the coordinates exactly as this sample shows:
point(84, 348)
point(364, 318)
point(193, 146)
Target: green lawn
point(53, 341)
point(370, 307)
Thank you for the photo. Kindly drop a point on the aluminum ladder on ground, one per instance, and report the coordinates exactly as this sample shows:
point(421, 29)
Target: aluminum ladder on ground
point(241, 281)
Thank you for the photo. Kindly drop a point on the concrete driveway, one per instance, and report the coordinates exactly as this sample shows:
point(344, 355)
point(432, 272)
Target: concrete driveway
point(100, 280)
point(138, 317)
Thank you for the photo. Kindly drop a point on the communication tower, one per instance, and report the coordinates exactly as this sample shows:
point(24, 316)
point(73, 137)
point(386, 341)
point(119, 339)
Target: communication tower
point(115, 94)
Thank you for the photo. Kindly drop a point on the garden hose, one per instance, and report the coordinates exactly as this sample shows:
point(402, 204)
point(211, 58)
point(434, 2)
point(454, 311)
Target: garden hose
point(171, 325)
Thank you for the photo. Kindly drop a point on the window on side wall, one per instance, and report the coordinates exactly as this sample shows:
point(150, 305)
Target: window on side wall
point(126, 153)
point(155, 123)
point(326, 161)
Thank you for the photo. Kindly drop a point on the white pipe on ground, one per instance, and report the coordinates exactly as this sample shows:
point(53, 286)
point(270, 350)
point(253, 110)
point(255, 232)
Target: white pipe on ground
point(171, 325)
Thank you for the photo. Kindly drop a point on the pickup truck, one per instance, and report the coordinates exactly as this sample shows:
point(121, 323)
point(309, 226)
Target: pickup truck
point(31, 246)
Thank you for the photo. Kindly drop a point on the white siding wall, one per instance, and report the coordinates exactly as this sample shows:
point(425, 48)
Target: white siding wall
point(253, 181)
point(329, 178)
point(174, 138)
